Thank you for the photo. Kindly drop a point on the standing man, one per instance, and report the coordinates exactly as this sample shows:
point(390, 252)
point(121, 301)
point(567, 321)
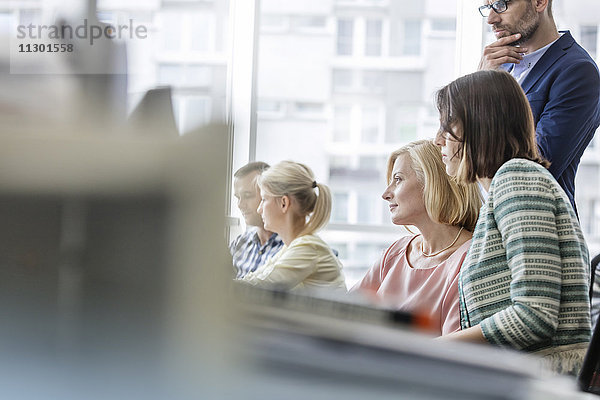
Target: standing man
point(252, 248)
point(558, 76)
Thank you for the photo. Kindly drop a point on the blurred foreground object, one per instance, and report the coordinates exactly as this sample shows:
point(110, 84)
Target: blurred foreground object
point(319, 346)
point(112, 265)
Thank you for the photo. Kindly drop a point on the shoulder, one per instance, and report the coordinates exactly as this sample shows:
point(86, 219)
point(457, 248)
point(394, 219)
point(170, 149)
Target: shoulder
point(456, 259)
point(309, 241)
point(462, 251)
point(521, 185)
point(397, 249)
point(575, 58)
point(402, 243)
point(522, 171)
point(243, 238)
point(522, 181)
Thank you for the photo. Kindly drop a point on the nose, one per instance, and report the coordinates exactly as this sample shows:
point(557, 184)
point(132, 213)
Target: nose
point(259, 209)
point(387, 194)
point(439, 139)
point(493, 18)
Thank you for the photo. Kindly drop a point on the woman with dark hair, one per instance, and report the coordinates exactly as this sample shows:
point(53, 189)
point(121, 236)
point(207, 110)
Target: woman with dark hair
point(525, 281)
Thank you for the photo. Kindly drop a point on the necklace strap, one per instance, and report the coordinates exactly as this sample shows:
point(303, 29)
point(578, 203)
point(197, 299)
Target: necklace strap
point(444, 249)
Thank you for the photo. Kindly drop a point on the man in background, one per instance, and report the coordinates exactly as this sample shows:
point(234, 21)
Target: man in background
point(558, 76)
point(252, 248)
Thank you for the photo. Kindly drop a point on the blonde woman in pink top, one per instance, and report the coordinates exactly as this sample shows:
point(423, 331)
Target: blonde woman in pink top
point(420, 272)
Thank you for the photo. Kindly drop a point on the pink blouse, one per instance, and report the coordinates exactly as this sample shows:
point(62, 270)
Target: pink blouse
point(430, 291)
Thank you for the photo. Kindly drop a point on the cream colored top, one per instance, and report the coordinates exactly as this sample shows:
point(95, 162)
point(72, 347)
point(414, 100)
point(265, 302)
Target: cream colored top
point(307, 262)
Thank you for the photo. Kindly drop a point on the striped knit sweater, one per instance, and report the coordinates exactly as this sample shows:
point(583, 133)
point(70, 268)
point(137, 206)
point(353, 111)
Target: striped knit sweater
point(525, 280)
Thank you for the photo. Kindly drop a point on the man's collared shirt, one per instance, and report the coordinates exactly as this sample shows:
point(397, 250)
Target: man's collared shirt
point(521, 70)
point(248, 254)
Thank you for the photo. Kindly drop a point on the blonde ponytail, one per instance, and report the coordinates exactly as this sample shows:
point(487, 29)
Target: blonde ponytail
point(322, 211)
point(289, 178)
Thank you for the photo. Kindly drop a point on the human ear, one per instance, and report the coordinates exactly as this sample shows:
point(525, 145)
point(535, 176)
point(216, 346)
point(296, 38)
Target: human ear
point(285, 203)
point(540, 5)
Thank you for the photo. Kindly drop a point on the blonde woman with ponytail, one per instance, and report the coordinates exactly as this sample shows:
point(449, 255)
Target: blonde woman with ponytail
point(295, 206)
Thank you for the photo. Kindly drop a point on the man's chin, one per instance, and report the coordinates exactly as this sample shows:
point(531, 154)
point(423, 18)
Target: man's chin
point(502, 34)
point(253, 223)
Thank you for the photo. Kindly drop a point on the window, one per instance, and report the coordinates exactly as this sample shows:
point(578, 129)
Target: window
point(308, 24)
point(185, 75)
point(343, 80)
point(172, 31)
point(272, 107)
point(376, 70)
point(405, 125)
point(308, 109)
point(341, 124)
point(29, 16)
point(589, 39)
point(595, 219)
point(191, 112)
point(341, 248)
point(339, 212)
point(367, 209)
point(274, 23)
point(443, 25)
point(368, 252)
point(412, 38)
point(373, 38)
point(188, 32)
point(340, 167)
point(373, 81)
point(345, 37)
point(201, 29)
point(371, 124)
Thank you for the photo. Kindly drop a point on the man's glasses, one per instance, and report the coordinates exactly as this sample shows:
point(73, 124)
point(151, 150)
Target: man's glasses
point(498, 6)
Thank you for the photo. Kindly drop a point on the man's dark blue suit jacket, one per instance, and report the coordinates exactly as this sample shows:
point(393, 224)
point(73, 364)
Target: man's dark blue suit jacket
point(563, 89)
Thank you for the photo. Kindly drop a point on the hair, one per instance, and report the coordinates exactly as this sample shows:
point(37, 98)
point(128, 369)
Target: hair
point(446, 201)
point(296, 180)
point(494, 116)
point(549, 8)
point(256, 166)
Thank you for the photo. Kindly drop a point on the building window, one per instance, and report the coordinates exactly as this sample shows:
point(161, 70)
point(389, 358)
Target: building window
point(341, 248)
point(371, 124)
point(309, 109)
point(412, 38)
point(368, 252)
point(341, 123)
point(405, 125)
point(187, 32)
point(274, 23)
point(373, 37)
point(185, 75)
point(201, 29)
point(367, 209)
point(309, 23)
point(589, 39)
point(443, 25)
point(595, 220)
point(191, 111)
point(373, 81)
point(6, 21)
point(270, 108)
point(343, 80)
point(339, 212)
point(345, 36)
